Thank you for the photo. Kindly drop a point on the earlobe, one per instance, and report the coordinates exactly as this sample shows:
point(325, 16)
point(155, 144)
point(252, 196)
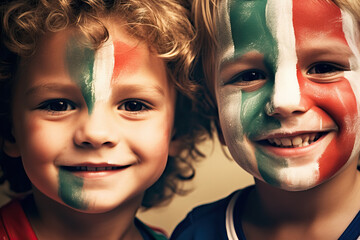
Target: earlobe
point(175, 148)
point(11, 149)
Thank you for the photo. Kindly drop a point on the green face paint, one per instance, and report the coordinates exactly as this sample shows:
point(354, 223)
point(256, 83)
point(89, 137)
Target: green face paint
point(80, 64)
point(249, 17)
point(248, 32)
point(70, 190)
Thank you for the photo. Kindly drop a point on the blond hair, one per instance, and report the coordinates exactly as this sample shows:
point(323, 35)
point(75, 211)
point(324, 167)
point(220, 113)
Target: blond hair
point(162, 24)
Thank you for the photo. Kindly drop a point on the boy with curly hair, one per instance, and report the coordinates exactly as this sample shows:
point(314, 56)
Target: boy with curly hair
point(285, 78)
point(97, 115)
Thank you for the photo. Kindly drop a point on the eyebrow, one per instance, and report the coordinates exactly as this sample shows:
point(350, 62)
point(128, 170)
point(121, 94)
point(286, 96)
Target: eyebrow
point(137, 87)
point(54, 87)
point(323, 49)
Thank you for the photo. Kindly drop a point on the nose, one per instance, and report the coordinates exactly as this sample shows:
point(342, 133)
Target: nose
point(96, 130)
point(286, 98)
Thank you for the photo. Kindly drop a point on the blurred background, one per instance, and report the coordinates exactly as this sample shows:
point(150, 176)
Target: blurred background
point(216, 177)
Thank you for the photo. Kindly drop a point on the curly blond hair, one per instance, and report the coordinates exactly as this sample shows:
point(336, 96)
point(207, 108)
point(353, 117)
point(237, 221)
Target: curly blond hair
point(162, 24)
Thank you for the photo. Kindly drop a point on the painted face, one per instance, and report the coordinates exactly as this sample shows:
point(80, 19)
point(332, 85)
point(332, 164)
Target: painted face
point(288, 89)
point(93, 127)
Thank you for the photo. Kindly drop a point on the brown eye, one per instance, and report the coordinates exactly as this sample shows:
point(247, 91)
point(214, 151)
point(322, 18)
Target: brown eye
point(133, 106)
point(249, 80)
point(247, 76)
point(325, 68)
point(57, 105)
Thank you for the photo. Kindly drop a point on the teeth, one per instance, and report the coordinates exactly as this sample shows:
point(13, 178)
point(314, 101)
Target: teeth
point(86, 168)
point(298, 141)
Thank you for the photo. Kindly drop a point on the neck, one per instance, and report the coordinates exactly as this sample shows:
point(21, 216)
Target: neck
point(52, 220)
point(338, 198)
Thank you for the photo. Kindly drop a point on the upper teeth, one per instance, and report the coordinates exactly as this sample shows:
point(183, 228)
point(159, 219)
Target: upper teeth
point(297, 141)
point(86, 168)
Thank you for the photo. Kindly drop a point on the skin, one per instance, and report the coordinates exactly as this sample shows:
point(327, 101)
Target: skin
point(292, 76)
point(76, 107)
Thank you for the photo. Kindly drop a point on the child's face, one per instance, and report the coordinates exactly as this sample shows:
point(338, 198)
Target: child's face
point(288, 89)
point(93, 128)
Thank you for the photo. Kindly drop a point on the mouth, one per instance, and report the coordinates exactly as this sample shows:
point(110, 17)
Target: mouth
point(93, 168)
point(301, 140)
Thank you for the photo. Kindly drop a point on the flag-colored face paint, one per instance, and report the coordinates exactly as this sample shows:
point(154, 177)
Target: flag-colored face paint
point(288, 89)
point(94, 71)
point(86, 122)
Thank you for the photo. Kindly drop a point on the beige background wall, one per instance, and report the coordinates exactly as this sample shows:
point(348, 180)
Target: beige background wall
point(216, 177)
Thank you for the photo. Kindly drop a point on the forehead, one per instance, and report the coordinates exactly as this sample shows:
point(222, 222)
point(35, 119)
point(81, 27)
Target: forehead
point(258, 24)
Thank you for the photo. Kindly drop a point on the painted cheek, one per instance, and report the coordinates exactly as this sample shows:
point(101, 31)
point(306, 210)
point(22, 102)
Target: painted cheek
point(253, 116)
point(335, 100)
point(70, 190)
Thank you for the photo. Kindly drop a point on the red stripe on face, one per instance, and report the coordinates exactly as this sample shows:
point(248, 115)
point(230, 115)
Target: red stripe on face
point(125, 59)
point(317, 23)
point(313, 18)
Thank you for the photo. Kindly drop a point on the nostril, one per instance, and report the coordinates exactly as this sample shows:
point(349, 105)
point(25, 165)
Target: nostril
point(86, 144)
point(107, 143)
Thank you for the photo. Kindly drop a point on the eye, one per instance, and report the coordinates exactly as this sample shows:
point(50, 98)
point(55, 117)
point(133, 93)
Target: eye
point(325, 69)
point(133, 106)
point(247, 76)
point(249, 80)
point(57, 105)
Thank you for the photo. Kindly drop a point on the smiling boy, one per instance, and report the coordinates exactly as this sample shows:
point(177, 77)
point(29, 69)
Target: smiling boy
point(89, 105)
point(286, 86)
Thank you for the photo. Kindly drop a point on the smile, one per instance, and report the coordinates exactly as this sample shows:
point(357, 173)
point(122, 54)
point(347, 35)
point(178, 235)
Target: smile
point(302, 140)
point(93, 168)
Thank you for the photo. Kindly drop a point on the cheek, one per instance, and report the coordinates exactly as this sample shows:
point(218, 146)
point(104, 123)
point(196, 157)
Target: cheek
point(229, 104)
point(338, 102)
point(41, 141)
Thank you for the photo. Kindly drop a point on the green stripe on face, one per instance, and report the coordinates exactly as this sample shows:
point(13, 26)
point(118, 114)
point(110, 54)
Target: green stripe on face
point(80, 63)
point(251, 33)
point(266, 168)
point(70, 190)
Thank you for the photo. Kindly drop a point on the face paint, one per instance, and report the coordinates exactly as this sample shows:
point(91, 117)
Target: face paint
point(94, 71)
point(80, 63)
point(70, 190)
point(278, 39)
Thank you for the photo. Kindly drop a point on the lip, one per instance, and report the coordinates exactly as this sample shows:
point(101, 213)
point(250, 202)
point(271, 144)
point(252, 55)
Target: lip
point(322, 137)
point(94, 170)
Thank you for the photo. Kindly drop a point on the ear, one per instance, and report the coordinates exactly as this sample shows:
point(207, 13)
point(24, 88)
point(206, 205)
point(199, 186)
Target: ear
point(11, 149)
point(175, 147)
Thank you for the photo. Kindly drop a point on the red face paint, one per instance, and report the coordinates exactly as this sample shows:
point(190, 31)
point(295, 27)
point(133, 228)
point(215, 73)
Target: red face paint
point(316, 24)
point(125, 59)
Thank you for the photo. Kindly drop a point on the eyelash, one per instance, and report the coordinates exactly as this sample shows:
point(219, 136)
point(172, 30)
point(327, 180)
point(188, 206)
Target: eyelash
point(334, 68)
point(251, 75)
point(137, 104)
point(50, 106)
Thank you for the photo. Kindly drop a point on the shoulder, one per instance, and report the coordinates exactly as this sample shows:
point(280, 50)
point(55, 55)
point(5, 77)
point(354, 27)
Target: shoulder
point(149, 232)
point(206, 221)
point(14, 223)
point(353, 230)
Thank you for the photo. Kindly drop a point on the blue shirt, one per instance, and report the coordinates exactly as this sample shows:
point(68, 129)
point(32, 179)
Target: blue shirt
point(217, 221)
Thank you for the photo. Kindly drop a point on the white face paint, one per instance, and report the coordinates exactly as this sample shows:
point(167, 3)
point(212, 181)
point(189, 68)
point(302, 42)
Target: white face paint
point(288, 89)
point(103, 71)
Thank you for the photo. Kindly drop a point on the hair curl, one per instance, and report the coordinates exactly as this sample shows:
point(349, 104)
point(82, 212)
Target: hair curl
point(162, 24)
